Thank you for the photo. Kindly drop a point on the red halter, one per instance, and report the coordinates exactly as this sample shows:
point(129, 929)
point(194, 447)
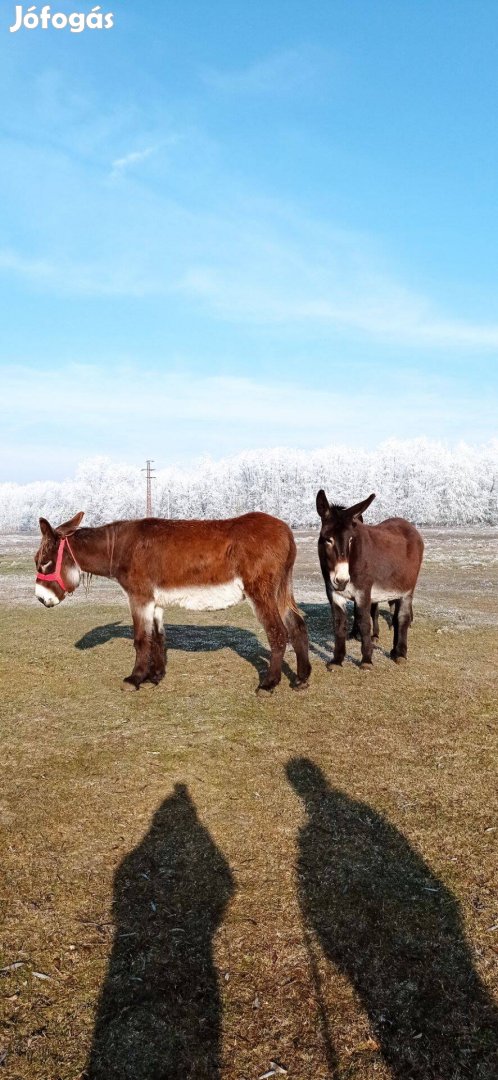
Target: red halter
point(57, 574)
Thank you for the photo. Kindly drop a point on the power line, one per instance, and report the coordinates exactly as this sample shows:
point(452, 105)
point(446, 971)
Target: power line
point(150, 477)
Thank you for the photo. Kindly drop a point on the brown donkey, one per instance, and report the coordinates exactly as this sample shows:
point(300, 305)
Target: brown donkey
point(196, 564)
point(369, 564)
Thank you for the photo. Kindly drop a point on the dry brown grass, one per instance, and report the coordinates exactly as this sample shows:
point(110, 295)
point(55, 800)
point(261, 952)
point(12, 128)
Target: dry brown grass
point(333, 918)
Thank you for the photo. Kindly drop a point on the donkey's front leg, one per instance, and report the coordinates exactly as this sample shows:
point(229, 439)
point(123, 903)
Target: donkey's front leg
point(340, 627)
point(365, 624)
point(143, 625)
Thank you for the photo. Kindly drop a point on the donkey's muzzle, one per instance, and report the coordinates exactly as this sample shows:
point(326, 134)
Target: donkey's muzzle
point(46, 596)
point(340, 585)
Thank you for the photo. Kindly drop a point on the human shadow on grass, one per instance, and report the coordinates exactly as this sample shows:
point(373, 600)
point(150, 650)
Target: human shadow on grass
point(159, 1014)
point(396, 932)
point(196, 639)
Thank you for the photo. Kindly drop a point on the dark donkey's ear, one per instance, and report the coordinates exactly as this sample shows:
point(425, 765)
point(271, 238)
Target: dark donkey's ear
point(70, 527)
point(46, 529)
point(322, 504)
point(359, 508)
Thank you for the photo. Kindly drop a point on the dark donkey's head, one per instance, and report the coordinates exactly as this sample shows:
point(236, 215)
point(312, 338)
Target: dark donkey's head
point(337, 535)
point(58, 572)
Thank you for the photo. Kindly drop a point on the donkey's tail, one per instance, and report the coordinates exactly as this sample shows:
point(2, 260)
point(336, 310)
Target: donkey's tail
point(285, 595)
point(293, 620)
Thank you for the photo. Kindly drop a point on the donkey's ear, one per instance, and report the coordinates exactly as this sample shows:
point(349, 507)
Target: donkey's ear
point(322, 504)
point(359, 508)
point(70, 527)
point(46, 528)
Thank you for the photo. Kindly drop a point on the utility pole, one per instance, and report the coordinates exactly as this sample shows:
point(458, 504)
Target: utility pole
point(150, 477)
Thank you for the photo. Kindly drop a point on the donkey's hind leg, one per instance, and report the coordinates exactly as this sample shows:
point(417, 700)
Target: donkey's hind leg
point(298, 637)
point(157, 666)
point(269, 616)
point(401, 621)
point(355, 629)
point(394, 605)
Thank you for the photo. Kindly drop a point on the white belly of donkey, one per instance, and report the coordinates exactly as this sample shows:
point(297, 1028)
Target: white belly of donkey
point(202, 597)
point(378, 595)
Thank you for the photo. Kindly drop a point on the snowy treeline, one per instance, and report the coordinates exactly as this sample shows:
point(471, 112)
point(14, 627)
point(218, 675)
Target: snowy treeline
point(420, 479)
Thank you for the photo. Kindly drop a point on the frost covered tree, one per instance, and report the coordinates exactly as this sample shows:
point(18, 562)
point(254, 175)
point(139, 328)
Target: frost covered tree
point(423, 480)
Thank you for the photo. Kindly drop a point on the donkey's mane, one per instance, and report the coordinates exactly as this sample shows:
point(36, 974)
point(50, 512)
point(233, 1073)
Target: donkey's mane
point(338, 509)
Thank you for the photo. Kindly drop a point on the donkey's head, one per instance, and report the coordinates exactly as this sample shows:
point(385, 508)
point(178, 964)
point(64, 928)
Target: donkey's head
point(337, 535)
point(58, 572)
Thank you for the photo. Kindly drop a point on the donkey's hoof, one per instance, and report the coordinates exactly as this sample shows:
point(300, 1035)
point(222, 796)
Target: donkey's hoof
point(127, 684)
point(400, 660)
point(333, 664)
point(375, 639)
point(262, 689)
point(300, 684)
point(366, 665)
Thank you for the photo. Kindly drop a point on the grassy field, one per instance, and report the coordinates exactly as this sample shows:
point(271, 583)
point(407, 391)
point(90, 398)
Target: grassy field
point(198, 882)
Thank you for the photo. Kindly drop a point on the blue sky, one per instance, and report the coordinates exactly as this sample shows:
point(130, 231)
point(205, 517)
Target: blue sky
point(233, 225)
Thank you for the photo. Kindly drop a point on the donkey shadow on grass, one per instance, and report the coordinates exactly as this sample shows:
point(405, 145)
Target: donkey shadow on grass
point(321, 631)
point(247, 645)
point(388, 924)
point(159, 1013)
point(195, 639)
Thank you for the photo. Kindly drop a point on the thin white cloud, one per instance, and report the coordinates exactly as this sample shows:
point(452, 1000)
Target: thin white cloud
point(278, 74)
point(379, 309)
point(134, 411)
point(82, 395)
point(135, 157)
point(253, 263)
point(40, 270)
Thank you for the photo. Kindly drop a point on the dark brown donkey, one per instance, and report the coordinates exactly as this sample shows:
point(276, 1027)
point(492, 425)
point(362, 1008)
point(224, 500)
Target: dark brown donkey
point(196, 564)
point(374, 608)
point(368, 564)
